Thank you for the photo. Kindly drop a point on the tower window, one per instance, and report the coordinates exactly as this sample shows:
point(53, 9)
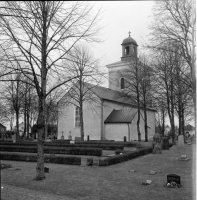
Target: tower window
point(77, 116)
point(127, 50)
point(122, 86)
point(134, 50)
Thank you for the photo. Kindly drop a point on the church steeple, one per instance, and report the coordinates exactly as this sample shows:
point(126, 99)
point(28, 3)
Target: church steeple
point(129, 49)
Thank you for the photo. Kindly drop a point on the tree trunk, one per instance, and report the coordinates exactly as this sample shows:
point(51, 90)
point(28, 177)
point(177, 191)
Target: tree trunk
point(163, 120)
point(183, 121)
point(42, 99)
point(25, 113)
point(17, 124)
point(138, 124)
point(172, 112)
point(145, 124)
point(40, 142)
point(81, 122)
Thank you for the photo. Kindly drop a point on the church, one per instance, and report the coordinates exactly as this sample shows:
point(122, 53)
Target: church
point(112, 115)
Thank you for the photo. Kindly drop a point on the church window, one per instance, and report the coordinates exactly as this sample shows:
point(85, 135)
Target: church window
point(122, 86)
point(127, 50)
point(134, 50)
point(77, 116)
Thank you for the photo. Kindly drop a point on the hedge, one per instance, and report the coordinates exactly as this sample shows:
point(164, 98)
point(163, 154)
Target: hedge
point(54, 150)
point(115, 143)
point(125, 156)
point(85, 145)
point(47, 159)
point(77, 160)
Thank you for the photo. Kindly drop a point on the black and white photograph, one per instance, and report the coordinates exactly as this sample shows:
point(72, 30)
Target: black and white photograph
point(98, 100)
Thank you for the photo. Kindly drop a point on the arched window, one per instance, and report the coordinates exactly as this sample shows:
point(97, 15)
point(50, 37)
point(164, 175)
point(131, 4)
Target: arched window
point(134, 50)
point(127, 50)
point(122, 86)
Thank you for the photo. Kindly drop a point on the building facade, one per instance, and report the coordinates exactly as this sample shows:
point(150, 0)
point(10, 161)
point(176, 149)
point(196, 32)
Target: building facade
point(113, 116)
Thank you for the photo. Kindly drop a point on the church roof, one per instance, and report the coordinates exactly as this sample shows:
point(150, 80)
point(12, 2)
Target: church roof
point(121, 116)
point(129, 40)
point(113, 95)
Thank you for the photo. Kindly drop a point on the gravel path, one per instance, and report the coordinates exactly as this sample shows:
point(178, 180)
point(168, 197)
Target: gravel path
point(9, 192)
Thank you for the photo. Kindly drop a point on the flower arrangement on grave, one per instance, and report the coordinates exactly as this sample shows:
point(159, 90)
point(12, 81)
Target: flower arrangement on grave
point(173, 185)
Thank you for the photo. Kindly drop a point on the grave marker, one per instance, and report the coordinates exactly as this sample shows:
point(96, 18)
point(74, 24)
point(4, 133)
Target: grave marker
point(183, 158)
point(83, 162)
point(133, 170)
point(46, 169)
point(152, 172)
point(173, 178)
point(181, 142)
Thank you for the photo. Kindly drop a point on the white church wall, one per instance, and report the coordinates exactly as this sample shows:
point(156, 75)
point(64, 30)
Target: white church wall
point(108, 132)
point(116, 131)
point(92, 122)
point(109, 106)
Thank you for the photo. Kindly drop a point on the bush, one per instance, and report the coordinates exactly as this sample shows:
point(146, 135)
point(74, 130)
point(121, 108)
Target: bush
point(61, 144)
point(47, 159)
point(54, 150)
point(125, 156)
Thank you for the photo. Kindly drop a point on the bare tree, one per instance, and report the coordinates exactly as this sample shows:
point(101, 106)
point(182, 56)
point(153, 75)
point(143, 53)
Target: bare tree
point(42, 33)
point(175, 21)
point(132, 87)
point(145, 77)
point(83, 65)
point(13, 95)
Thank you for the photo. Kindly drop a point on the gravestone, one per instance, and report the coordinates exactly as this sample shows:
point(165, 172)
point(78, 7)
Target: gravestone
point(83, 162)
point(152, 172)
point(72, 142)
point(132, 170)
point(183, 158)
point(46, 169)
point(189, 140)
point(181, 142)
point(95, 163)
point(14, 138)
point(147, 182)
point(62, 137)
point(173, 178)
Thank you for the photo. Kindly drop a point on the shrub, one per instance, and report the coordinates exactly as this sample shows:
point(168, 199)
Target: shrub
point(61, 144)
point(54, 150)
point(125, 156)
point(47, 159)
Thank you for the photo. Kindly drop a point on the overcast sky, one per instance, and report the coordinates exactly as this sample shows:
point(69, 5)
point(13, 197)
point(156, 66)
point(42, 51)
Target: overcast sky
point(118, 18)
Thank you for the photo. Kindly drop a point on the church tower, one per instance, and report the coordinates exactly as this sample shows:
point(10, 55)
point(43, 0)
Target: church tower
point(115, 70)
point(129, 49)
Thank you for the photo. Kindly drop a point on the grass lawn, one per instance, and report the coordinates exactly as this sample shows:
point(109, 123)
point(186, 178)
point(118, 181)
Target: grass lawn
point(113, 182)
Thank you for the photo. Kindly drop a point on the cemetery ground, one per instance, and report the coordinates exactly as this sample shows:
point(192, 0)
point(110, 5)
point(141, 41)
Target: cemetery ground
point(114, 182)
